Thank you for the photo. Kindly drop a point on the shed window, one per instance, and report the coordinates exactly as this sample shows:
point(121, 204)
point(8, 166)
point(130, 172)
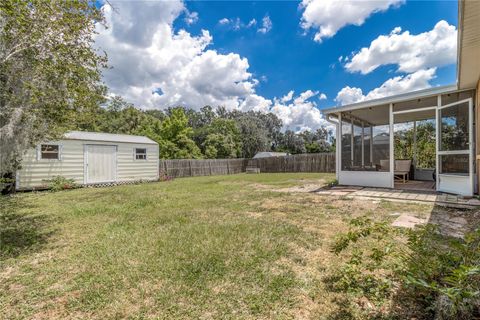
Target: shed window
point(140, 154)
point(49, 151)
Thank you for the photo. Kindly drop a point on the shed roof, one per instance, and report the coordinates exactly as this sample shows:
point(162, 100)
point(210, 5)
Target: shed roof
point(100, 136)
point(267, 154)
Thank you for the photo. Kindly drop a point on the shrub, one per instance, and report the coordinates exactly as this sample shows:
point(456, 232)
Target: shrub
point(332, 183)
point(440, 274)
point(58, 183)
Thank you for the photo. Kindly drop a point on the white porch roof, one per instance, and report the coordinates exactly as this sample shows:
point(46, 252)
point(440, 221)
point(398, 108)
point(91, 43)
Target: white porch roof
point(394, 99)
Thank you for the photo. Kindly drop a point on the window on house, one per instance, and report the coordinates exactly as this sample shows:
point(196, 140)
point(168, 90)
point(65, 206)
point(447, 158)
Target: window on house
point(140, 154)
point(49, 151)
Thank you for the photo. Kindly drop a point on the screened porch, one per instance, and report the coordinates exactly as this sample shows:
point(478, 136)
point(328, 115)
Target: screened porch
point(422, 142)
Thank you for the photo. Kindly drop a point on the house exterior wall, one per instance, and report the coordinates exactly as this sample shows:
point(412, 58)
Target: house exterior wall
point(34, 171)
point(477, 135)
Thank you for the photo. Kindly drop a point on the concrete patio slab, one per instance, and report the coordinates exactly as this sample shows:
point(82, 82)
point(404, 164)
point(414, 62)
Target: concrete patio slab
point(408, 221)
point(437, 198)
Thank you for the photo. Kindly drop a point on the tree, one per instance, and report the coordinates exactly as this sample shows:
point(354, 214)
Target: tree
point(223, 140)
point(317, 141)
point(122, 117)
point(258, 130)
point(253, 135)
point(291, 142)
point(50, 75)
point(175, 137)
point(425, 144)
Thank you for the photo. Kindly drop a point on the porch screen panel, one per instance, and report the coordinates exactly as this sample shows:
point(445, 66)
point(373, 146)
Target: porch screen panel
point(346, 152)
point(381, 147)
point(357, 146)
point(454, 164)
point(425, 149)
point(367, 138)
point(454, 128)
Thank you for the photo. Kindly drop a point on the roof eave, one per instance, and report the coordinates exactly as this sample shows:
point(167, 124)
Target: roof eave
point(393, 99)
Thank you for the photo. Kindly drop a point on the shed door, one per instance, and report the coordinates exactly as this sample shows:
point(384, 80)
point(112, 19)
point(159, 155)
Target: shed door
point(455, 148)
point(101, 163)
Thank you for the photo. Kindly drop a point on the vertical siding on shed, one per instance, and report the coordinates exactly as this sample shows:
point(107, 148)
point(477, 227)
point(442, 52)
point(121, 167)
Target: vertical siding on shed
point(34, 172)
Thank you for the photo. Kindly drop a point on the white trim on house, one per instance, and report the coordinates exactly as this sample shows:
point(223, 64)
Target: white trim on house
point(378, 179)
point(391, 136)
point(394, 99)
point(456, 183)
point(414, 110)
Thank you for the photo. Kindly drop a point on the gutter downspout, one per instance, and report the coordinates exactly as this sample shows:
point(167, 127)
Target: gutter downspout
point(337, 149)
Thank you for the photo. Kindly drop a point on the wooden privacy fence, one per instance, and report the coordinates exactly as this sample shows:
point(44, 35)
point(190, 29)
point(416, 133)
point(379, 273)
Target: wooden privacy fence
point(313, 162)
point(209, 167)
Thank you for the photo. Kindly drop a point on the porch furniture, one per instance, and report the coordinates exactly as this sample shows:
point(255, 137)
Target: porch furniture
point(402, 169)
point(384, 165)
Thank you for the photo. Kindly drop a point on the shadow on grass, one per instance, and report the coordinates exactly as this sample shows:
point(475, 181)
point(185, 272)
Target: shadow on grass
point(21, 232)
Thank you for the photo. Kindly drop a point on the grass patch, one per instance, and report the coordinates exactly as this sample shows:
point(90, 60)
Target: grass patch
point(205, 247)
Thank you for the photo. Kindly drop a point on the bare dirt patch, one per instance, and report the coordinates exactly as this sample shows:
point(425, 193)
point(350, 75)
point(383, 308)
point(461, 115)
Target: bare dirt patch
point(305, 188)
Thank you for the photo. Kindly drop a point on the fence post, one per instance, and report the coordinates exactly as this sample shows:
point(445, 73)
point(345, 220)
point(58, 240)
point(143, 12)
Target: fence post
point(228, 166)
point(210, 166)
point(190, 165)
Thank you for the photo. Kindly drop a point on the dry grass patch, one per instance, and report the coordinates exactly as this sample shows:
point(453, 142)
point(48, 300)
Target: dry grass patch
point(229, 247)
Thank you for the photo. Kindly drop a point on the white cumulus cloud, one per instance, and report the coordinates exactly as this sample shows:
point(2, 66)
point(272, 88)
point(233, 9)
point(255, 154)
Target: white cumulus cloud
point(299, 113)
point(329, 16)
point(155, 66)
point(434, 48)
point(397, 85)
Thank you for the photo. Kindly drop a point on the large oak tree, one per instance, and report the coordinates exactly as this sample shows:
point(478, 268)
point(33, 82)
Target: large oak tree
point(50, 72)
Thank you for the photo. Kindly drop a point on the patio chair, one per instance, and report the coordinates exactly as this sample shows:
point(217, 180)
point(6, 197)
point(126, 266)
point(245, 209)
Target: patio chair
point(384, 166)
point(402, 170)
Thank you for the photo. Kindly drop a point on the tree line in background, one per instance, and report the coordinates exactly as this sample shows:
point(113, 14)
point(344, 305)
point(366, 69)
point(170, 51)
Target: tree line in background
point(51, 82)
point(189, 134)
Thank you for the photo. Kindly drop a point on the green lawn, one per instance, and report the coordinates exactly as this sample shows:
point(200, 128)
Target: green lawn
point(222, 247)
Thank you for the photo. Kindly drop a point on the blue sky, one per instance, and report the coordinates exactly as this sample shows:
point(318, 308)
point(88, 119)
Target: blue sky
point(189, 50)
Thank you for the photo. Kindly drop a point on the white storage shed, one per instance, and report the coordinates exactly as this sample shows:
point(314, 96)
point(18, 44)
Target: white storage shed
point(90, 158)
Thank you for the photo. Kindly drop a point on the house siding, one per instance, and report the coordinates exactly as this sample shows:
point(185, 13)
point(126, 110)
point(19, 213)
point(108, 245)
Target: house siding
point(34, 172)
point(477, 129)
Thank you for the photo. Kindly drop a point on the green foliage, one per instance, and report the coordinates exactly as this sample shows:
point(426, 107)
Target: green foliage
point(50, 79)
point(223, 140)
point(254, 133)
point(445, 271)
point(425, 144)
point(175, 137)
point(186, 133)
point(318, 141)
point(291, 143)
point(59, 183)
point(366, 273)
point(442, 275)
